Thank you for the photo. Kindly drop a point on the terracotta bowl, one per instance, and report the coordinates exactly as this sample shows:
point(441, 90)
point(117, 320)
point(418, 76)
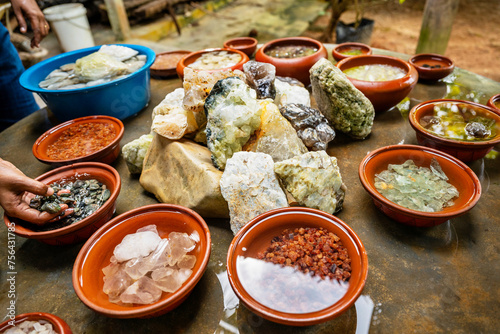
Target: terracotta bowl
point(97, 251)
point(59, 325)
point(297, 68)
point(108, 154)
point(82, 229)
point(248, 45)
point(350, 49)
point(494, 102)
point(256, 236)
point(165, 64)
point(382, 94)
point(459, 174)
point(463, 150)
point(432, 66)
point(191, 58)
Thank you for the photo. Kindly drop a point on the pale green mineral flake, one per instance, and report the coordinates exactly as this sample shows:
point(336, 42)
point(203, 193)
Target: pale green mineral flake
point(314, 180)
point(134, 152)
point(417, 188)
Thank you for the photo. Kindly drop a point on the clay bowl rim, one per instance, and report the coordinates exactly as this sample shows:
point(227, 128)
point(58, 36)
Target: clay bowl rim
point(191, 57)
point(51, 135)
point(375, 156)
point(167, 71)
point(242, 43)
point(286, 41)
point(491, 103)
point(386, 86)
point(141, 311)
point(432, 73)
point(63, 231)
point(58, 324)
point(417, 112)
point(299, 319)
point(336, 51)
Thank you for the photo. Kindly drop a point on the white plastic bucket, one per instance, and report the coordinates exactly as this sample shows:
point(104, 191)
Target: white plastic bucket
point(71, 26)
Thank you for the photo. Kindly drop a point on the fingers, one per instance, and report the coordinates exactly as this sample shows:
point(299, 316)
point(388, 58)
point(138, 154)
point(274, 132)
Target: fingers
point(40, 30)
point(36, 187)
point(36, 217)
point(20, 18)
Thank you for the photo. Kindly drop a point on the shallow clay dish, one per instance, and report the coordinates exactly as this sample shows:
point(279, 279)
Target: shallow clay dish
point(297, 68)
point(193, 56)
point(108, 154)
point(459, 174)
point(350, 49)
point(165, 64)
point(97, 251)
point(248, 45)
point(432, 67)
point(382, 94)
point(256, 236)
point(82, 229)
point(494, 102)
point(463, 150)
point(59, 325)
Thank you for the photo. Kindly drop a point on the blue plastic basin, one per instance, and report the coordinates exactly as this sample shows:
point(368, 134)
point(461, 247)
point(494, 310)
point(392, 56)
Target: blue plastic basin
point(120, 98)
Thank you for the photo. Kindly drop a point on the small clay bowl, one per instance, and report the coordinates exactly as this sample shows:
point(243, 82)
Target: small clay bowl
point(82, 229)
point(107, 155)
point(297, 68)
point(464, 150)
point(459, 174)
point(165, 64)
point(248, 45)
point(382, 94)
point(350, 49)
point(256, 236)
point(97, 251)
point(193, 56)
point(494, 102)
point(432, 67)
point(59, 325)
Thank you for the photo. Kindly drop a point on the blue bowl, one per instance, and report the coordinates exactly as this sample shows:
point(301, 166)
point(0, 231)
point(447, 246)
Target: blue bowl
point(120, 98)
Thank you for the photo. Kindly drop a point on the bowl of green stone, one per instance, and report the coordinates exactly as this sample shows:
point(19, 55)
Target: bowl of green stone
point(417, 185)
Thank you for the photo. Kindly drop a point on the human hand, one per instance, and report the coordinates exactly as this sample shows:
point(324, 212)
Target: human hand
point(30, 10)
point(15, 192)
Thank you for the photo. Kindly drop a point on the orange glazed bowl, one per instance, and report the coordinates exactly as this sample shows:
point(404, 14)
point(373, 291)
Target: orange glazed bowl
point(464, 150)
point(96, 253)
point(257, 235)
point(248, 45)
point(59, 325)
point(86, 146)
point(494, 102)
point(350, 49)
point(432, 67)
point(298, 67)
point(382, 94)
point(193, 56)
point(80, 230)
point(459, 174)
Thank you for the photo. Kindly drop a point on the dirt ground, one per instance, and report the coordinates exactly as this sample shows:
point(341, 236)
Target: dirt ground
point(474, 44)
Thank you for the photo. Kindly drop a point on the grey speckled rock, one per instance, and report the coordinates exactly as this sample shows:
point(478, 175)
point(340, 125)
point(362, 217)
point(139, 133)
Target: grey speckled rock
point(314, 180)
point(250, 187)
point(345, 107)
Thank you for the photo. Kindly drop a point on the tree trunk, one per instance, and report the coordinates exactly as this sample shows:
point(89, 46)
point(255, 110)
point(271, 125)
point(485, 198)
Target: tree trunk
point(337, 7)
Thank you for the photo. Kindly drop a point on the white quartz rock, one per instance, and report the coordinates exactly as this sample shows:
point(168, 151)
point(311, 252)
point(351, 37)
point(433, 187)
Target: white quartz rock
point(250, 187)
point(286, 94)
point(143, 291)
point(135, 245)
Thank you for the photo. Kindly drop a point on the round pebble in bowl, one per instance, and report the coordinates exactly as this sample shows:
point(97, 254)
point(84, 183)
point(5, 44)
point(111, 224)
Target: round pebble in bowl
point(212, 60)
point(248, 45)
point(276, 299)
point(58, 325)
point(384, 80)
point(165, 64)
point(432, 67)
point(350, 49)
point(91, 138)
point(459, 175)
point(456, 127)
point(494, 102)
point(120, 98)
point(97, 251)
point(82, 229)
point(292, 56)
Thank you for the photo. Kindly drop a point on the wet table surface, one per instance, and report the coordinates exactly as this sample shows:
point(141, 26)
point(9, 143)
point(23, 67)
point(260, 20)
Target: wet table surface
point(444, 279)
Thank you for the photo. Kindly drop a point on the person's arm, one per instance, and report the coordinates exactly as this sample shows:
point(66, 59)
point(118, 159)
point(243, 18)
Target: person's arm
point(14, 188)
point(28, 9)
